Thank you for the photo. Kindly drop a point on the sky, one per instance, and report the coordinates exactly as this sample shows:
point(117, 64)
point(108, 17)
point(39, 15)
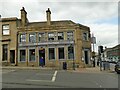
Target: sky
point(100, 16)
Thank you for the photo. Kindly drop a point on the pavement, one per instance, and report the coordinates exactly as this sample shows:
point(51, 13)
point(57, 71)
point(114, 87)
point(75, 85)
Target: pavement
point(93, 70)
point(82, 70)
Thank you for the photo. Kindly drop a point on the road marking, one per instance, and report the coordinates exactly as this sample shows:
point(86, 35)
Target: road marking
point(54, 76)
point(97, 84)
point(6, 71)
point(43, 74)
point(39, 80)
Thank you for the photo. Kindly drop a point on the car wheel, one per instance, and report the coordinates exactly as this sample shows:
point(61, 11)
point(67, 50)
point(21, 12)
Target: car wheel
point(118, 72)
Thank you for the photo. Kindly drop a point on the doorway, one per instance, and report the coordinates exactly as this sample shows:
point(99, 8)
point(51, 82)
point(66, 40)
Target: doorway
point(42, 54)
point(86, 57)
point(12, 56)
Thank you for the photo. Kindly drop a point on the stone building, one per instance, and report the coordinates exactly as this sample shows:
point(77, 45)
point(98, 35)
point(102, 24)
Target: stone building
point(24, 43)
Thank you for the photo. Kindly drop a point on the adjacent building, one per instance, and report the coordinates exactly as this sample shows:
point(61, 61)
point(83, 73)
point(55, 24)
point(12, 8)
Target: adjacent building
point(23, 43)
point(112, 54)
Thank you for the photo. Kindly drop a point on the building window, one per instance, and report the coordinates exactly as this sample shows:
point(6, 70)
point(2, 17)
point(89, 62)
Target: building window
point(70, 52)
point(32, 55)
point(60, 36)
point(22, 55)
point(51, 36)
point(41, 37)
point(51, 53)
point(5, 29)
point(85, 36)
point(69, 35)
point(61, 52)
point(22, 37)
point(5, 52)
point(32, 37)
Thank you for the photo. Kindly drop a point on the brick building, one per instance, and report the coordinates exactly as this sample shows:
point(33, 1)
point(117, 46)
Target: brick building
point(24, 42)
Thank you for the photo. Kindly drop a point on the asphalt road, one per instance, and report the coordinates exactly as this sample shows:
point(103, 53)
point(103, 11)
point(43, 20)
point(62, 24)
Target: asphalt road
point(57, 79)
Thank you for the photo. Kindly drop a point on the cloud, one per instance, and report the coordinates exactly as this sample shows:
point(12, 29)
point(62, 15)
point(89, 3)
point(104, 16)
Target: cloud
point(106, 34)
point(99, 16)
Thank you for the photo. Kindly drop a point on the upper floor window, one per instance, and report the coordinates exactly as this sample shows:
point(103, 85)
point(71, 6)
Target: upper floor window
point(22, 37)
point(60, 36)
point(51, 36)
point(70, 35)
point(41, 37)
point(6, 29)
point(32, 37)
point(85, 36)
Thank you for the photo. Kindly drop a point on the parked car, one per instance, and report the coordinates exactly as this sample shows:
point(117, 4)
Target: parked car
point(117, 67)
point(114, 62)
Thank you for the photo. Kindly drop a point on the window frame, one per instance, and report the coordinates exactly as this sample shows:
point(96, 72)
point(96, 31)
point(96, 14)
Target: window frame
point(52, 37)
point(34, 55)
point(44, 35)
point(61, 36)
point(63, 54)
point(53, 53)
point(20, 55)
point(85, 37)
point(70, 36)
point(5, 48)
point(31, 41)
point(22, 38)
point(4, 29)
point(72, 53)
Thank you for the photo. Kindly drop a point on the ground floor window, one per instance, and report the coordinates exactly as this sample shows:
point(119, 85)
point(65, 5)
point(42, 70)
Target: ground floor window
point(32, 55)
point(51, 53)
point(70, 52)
point(61, 53)
point(5, 52)
point(22, 55)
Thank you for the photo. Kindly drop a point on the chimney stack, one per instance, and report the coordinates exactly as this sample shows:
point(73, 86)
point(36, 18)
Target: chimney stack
point(23, 17)
point(48, 15)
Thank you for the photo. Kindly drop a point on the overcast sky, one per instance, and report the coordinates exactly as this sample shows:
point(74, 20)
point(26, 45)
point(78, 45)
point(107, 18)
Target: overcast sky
point(101, 17)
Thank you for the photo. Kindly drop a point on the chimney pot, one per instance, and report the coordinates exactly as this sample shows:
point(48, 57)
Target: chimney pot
point(48, 15)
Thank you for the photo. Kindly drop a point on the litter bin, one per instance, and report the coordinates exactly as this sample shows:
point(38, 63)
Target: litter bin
point(64, 66)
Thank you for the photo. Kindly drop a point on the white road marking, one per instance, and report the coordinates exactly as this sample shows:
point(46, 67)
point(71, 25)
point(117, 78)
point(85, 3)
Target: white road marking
point(39, 80)
point(100, 86)
point(97, 84)
point(43, 74)
point(54, 76)
point(6, 71)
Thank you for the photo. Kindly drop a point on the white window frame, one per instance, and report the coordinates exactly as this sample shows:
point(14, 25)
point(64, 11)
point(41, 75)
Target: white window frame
point(34, 36)
point(60, 35)
point(6, 28)
point(21, 38)
point(71, 37)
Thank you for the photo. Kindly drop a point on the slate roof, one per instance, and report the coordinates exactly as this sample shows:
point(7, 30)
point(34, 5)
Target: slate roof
point(54, 23)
